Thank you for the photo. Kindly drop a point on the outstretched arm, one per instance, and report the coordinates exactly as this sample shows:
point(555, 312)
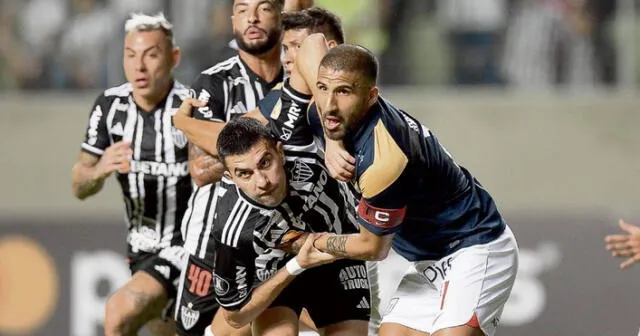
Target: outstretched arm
point(362, 246)
point(263, 295)
point(202, 133)
point(625, 245)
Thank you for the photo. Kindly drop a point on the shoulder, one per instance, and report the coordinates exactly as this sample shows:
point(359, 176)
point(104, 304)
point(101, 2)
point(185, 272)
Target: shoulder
point(222, 69)
point(123, 90)
point(181, 91)
point(210, 81)
point(382, 160)
point(235, 218)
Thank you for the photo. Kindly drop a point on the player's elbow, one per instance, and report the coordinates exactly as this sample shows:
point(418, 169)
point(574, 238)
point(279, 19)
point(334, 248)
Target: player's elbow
point(78, 193)
point(376, 254)
point(375, 249)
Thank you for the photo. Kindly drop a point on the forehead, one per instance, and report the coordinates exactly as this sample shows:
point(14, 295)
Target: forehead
point(250, 159)
point(144, 39)
point(331, 76)
point(250, 2)
point(295, 35)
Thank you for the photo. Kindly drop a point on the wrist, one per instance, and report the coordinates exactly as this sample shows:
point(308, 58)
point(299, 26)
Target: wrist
point(293, 267)
point(98, 176)
point(314, 242)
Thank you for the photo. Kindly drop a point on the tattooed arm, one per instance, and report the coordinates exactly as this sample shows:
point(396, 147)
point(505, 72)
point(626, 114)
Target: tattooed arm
point(204, 168)
point(90, 171)
point(362, 246)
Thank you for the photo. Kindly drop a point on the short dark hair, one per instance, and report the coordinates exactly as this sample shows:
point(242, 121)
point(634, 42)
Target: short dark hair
point(239, 135)
point(317, 20)
point(352, 58)
point(278, 3)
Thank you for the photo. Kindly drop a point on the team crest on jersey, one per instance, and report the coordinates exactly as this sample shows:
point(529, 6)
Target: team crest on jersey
point(189, 317)
point(179, 139)
point(301, 172)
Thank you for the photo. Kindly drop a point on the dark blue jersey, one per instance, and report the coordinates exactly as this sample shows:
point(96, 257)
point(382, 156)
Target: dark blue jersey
point(411, 186)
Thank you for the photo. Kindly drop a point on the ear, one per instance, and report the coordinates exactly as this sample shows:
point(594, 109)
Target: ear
point(280, 149)
point(332, 43)
point(373, 95)
point(176, 55)
point(227, 174)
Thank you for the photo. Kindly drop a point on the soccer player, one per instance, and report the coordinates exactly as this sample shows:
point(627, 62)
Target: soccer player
point(290, 184)
point(625, 245)
point(414, 198)
point(130, 134)
point(231, 88)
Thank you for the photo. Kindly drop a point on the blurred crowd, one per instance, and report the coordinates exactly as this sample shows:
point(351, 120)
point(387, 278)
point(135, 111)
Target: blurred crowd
point(77, 44)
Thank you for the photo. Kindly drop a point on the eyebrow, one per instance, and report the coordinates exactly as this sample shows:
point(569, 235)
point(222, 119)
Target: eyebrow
point(259, 3)
point(241, 170)
point(144, 51)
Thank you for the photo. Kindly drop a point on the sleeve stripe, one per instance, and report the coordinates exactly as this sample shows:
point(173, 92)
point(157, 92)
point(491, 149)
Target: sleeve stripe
point(235, 223)
point(389, 162)
point(92, 149)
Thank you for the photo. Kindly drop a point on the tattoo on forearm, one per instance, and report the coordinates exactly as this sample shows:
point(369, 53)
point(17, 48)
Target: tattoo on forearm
point(89, 187)
point(195, 151)
point(337, 245)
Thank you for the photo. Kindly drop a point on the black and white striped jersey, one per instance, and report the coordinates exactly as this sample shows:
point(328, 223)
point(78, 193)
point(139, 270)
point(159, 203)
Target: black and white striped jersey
point(316, 202)
point(242, 256)
point(245, 253)
point(158, 185)
point(231, 89)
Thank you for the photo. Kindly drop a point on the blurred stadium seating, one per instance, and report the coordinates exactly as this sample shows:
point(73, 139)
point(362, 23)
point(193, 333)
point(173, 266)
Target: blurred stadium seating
point(562, 161)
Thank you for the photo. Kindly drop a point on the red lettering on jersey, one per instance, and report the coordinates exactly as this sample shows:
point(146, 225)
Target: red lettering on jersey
point(382, 218)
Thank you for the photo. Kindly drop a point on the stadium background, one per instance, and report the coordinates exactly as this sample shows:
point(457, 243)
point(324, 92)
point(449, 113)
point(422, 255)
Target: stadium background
point(561, 158)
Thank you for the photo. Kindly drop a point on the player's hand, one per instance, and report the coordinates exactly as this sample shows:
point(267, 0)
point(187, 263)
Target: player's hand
point(115, 158)
point(625, 245)
point(339, 162)
point(187, 106)
point(309, 256)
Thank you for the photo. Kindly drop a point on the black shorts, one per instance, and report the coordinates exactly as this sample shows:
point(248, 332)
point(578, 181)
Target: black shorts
point(196, 304)
point(164, 266)
point(331, 293)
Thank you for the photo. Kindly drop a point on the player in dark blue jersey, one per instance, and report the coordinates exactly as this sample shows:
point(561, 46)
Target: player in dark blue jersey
point(416, 199)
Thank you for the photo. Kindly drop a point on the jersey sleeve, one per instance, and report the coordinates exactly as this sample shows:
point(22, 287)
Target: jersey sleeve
point(96, 138)
point(235, 255)
point(209, 88)
point(384, 183)
point(288, 119)
point(233, 275)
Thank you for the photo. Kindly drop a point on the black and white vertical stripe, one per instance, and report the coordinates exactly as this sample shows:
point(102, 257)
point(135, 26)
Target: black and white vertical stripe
point(241, 92)
point(153, 200)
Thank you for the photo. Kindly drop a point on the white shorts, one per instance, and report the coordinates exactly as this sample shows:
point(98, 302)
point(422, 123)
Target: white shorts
point(468, 287)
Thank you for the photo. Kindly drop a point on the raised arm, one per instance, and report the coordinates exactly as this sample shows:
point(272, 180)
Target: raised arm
point(338, 161)
point(98, 158)
point(203, 134)
point(90, 171)
point(307, 63)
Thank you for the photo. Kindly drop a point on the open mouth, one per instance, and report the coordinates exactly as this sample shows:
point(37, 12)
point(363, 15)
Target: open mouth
point(332, 123)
